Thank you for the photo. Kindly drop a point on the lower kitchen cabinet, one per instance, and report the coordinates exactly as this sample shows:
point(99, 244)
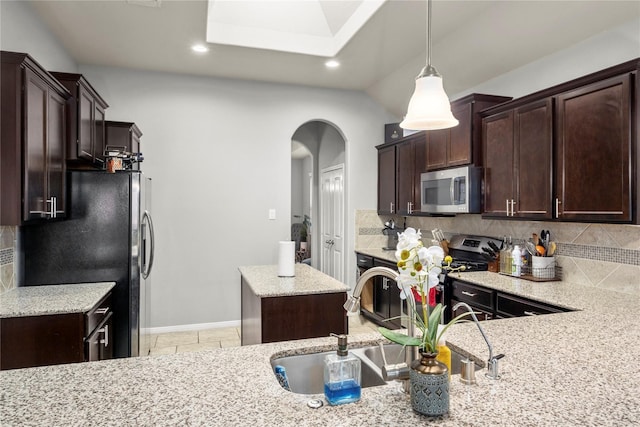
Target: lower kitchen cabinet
point(380, 297)
point(57, 338)
point(480, 299)
point(290, 317)
point(491, 304)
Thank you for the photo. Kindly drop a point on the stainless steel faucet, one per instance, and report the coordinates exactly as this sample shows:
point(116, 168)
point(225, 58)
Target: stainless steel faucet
point(492, 363)
point(390, 372)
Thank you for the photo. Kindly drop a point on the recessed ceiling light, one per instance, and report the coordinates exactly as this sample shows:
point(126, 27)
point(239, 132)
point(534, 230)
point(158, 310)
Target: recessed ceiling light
point(332, 63)
point(199, 48)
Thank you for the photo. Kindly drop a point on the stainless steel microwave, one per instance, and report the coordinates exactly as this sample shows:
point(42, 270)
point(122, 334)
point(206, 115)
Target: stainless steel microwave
point(452, 191)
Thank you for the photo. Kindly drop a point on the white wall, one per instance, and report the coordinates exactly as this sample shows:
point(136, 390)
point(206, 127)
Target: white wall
point(594, 54)
point(22, 31)
point(297, 189)
point(219, 152)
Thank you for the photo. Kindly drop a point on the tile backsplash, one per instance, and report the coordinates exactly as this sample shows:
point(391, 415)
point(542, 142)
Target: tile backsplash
point(7, 256)
point(598, 255)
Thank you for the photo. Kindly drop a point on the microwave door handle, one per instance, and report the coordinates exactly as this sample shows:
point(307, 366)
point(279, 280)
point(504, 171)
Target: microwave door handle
point(455, 190)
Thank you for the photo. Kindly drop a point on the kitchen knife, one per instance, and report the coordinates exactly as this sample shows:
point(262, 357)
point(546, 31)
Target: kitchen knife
point(494, 247)
point(491, 253)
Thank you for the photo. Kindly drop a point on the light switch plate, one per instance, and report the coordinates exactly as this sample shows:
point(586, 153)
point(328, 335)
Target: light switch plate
point(272, 214)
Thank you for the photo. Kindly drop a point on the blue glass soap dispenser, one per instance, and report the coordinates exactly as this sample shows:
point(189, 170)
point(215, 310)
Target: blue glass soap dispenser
point(342, 375)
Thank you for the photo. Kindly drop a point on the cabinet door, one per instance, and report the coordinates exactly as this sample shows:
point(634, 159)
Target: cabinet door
point(480, 313)
point(85, 124)
point(387, 180)
point(594, 152)
point(56, 152)
point(497, 135)
point(437, 146)
point(461, 139)
point(533, 160)
point(405, 176)
point(98, 134)
point(35, 140)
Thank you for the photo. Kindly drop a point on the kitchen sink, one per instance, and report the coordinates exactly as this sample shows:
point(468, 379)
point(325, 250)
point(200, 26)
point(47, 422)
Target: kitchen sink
point(305, 371)
point(394, 353)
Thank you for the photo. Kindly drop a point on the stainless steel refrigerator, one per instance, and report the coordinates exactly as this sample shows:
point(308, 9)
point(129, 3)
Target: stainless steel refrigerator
point(108, 236)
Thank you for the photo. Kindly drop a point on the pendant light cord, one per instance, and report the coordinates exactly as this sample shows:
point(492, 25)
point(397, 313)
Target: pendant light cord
point(428, 33)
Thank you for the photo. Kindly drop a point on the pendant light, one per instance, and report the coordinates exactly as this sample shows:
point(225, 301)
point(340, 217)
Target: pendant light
point(429, 107)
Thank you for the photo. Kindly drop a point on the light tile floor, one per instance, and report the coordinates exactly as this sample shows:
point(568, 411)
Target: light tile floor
point(190, 341)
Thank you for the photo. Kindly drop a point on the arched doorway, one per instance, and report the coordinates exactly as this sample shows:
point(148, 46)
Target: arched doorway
point(318, 148)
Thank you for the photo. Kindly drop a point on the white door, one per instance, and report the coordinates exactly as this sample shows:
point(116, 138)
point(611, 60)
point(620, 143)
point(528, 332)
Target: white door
point(332, 222)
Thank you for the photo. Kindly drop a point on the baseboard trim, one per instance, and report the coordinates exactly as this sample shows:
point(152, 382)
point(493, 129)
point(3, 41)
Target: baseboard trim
point(193, 327)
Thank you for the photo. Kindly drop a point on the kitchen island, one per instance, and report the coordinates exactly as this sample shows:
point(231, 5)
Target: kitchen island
point(568, 369)
point(307, 305)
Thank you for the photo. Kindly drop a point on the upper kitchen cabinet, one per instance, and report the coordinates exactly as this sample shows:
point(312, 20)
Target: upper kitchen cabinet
point(568, 152)
point(593, 146)
point(399, 168)
point(518, 161)
point(32, 148)
point(462, 144)
point(387, 179)
point(86, 122)
point(125, 136)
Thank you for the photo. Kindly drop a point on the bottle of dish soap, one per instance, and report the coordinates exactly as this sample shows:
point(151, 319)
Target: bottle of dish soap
point(444, 353)
point(342, 375)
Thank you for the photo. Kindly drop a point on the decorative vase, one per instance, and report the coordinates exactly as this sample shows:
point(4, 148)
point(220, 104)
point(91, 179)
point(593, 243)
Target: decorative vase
point(429, 381)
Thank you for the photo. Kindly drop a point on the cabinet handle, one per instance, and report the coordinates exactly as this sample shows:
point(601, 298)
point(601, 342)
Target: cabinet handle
point(530, 313)
point(507, 200)
point(513, 203)
point(409, 207)
point(469, 294)
point(53, 208)
point(105, 331)
point(102, 310)
point(557, 207)
point(391, 207)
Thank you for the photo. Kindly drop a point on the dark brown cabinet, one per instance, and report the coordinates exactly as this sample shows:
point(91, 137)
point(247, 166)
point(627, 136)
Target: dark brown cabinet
point(518, 162)
point(32, 149)
point(387, 304)
point(410, 159)
point(387, 180)
point(512, 306)
point(462, 144)
point(399, 168)
point(125, 135)
point(594, 152)
point(491, 304)
point(290, 317)
point(568, 152)
point(86, 122)
point(380, 298)
point(480, 299)
point(57, 338)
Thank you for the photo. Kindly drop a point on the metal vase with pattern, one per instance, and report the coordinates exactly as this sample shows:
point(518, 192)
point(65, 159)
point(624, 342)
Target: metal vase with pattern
point(429, 381)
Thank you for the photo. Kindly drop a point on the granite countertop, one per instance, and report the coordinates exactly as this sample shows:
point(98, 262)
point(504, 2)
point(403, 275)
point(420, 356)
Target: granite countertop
point(52, 299)
point(565, 369)
point(264, 281)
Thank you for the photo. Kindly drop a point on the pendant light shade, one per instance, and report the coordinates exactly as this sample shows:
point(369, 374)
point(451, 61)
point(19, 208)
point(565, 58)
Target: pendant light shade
point(429, 107)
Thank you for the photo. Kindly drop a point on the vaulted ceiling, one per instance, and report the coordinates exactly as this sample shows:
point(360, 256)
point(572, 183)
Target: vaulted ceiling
point(473, 41)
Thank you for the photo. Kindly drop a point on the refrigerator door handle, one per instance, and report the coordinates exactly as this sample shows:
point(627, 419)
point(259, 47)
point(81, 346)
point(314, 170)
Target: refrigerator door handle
point(146, 267)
